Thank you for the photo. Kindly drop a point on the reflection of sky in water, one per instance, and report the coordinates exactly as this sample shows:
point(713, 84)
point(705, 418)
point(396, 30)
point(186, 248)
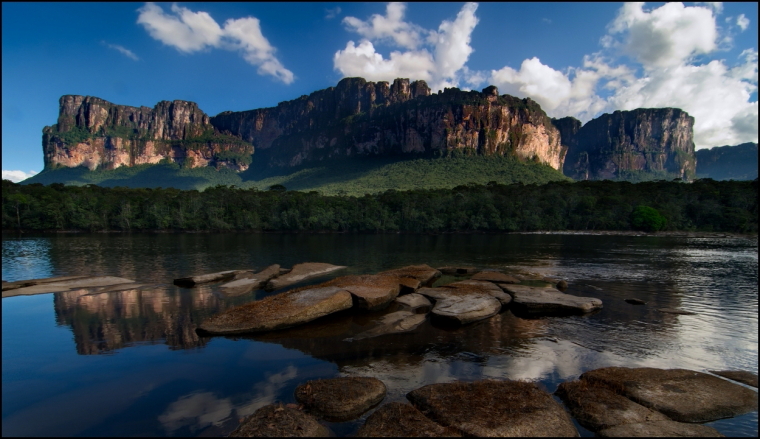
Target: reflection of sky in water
point(205, 385)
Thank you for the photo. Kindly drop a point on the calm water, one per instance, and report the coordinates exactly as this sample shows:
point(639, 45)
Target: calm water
point(130, 363)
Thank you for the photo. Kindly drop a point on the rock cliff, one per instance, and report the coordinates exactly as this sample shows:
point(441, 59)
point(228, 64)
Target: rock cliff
point(94, 133)
point(629, 144)
point(728, 162)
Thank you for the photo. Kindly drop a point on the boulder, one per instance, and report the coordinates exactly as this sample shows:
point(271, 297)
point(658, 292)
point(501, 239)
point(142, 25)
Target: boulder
point(676, 311)
point(562, 285)
point(341, 399)
point(249, 281)
point(597, 407)
point(392, 323)
point(548, 300)
point(42, 286)
point(493, 408)
point(423, 273)
point(192, 281)
point(302, 272)
point(276, 420)
point(682, 395)
point(417, 302)
point(465, 302)
point(282, 310)
point(371, 292)
point(458, 270)
point(397, 419)
point(495, 276)
point(666, 428)
point(741, 376)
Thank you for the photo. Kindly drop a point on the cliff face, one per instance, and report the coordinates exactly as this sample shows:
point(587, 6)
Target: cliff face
point(617, 145)
point(365, 118)
point(95, 133)
point(728, 162)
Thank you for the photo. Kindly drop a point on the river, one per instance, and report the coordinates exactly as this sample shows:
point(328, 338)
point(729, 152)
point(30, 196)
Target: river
point(130, 363)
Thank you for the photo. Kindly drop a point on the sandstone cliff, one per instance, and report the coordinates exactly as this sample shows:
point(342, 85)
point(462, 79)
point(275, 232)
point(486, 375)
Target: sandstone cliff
point(658, 141)
point(728, 162)
point(94, 133)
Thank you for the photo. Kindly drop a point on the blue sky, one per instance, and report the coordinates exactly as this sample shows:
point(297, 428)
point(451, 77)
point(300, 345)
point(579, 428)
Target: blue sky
point(575, 59)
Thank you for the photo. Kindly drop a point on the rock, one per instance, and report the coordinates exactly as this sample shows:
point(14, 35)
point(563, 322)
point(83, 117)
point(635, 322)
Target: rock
point(682, 395)
point(408, 285)
point(597, 407)
point(741, 376)
point(42, 286)
point(458, 270)
point(493, 408)
point(276, 420)
point(417, 302)
point(31, 282)
point(635, 301)
point(495, 276)
point(423, 273)
point(547, 300)
point(465, 302)
point(676, 311)
point(392, 323)
point(282, 310)
point(249, 281)
point(371, 292)
point(562, 285)
point(341, 399)
point(666, 428)
point(302, 272)
point(397, 419)
point(192, 281)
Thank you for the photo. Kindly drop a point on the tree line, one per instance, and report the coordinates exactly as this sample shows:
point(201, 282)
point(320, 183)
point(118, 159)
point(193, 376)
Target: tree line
point(704, 205)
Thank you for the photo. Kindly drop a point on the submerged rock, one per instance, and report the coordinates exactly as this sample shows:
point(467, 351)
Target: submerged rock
point(665, 428)
point(635, 301)
point(249, 281)
point(495, 276)
point(548, 300)
point(741, 376)
point(282, 310)
point(392, 323)
point(423, 273)
point(682, 395)
point(341, 399)
point(192, 281)
point(371, 292)
point(276, 420)
point(301, 272)
point(52, 285)
point(397, 419)
point(465, 302)
point(493, 408)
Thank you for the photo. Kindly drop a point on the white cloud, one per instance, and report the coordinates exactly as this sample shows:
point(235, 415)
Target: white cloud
point(716, 6)
point(332, 13)
point(126, 52)
point(742, 22)
point(16, 176)
point(437, 57)
point(189, 32)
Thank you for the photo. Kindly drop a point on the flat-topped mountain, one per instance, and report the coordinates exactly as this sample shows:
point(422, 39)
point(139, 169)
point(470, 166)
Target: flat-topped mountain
point(728, 162)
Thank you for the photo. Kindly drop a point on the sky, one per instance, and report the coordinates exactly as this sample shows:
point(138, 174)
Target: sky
point(574, 59)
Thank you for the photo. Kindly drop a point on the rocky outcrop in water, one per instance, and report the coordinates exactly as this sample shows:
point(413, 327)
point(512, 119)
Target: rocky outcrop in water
point(630, 145)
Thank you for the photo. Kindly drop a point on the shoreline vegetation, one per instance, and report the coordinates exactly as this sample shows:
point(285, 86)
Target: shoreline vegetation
point(606, 207)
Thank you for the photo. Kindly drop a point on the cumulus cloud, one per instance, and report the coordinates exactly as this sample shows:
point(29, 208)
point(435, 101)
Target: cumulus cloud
point(189, 32)
point(436, 56)
point(742, 22)
point(16, 176)
point(124, 51)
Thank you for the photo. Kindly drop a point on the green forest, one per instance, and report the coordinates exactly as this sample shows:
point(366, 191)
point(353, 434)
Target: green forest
point(704, 205)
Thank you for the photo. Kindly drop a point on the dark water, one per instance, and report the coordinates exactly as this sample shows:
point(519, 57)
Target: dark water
point(130, 363)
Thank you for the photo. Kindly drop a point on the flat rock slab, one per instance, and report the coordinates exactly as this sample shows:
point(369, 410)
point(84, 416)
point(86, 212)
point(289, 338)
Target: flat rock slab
point(302, 272)
point(741, 376)
point(341, 399)
point(682, 395)
point(676, 311)
point(548, 300)
point(371, 292)
point(494, 408)
point(660, 429)
point(282, 310)
point(392, 323)
point(191, 281)
point(495, 276)
point(415, 301)
point(31, 282)
point(276, 420)
point(423, 273)
point(465, 302)
point(458, 270)
point(397, 419)
point(597, 407)
point(65, 285)
point(249, 281)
